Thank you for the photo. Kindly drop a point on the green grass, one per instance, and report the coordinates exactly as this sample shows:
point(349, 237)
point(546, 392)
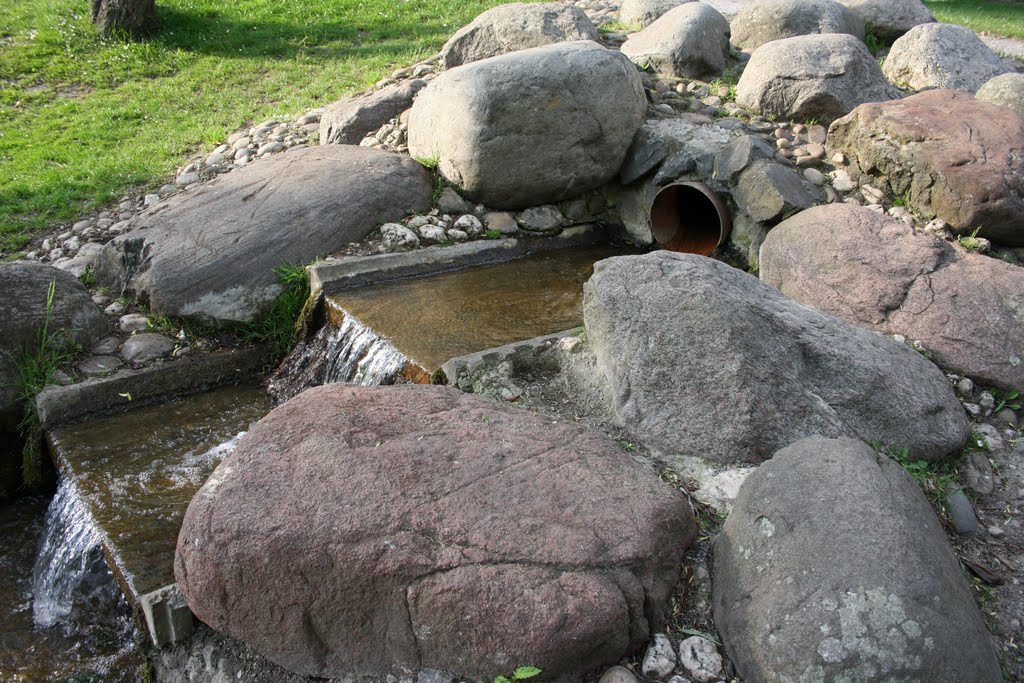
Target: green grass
point(989, 16)
point(84, 120)
point(34, 368)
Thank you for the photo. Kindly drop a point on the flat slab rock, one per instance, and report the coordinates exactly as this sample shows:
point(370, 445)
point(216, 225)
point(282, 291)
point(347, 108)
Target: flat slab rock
point(877, 272)
point(368, 530)
point(951, 156)
point(832, 566)
point(702, 359)
point(211, 252)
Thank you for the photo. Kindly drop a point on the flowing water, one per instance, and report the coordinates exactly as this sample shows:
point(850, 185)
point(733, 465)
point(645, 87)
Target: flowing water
point(433, 319)
point(81, 629)
point(357, 355)
point(136, 473)
point(126, 482)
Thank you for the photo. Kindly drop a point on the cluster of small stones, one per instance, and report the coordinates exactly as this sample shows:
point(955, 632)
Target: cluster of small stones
point(993, 426)
point(695, 659)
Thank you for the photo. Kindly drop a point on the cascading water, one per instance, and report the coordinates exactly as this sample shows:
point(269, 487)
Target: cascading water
point(357, 355)
point(69, 557)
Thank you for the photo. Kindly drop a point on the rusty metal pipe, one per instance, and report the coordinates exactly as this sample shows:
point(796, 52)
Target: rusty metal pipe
point(689, 217)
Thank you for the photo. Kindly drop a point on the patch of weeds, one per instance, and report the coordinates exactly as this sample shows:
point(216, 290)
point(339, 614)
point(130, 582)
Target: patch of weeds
point(430, 163)
point(193, 327)
point(935, 478)
point(971, 242)
point(522, 673)
point(492, 235)
point(619, 27)
point(813, 121)
point(709, 520)
point(1006, 399)
point(88, 278)
point(628, 446)
point(278, 326)
point(34, 368)
point(981, 589)
point(874, 44)
point(899, 201)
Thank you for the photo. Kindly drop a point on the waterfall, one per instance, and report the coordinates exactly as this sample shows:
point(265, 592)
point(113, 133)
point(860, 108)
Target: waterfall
point(358, 355)
point(70, 564)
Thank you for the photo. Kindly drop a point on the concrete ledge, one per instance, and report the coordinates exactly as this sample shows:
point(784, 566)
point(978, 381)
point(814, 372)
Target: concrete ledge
point(134, 388)
point(332, 275)
point(463, 372)
point(168, 618)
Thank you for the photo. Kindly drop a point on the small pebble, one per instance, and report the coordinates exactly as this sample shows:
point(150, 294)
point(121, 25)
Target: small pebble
point(995, 532)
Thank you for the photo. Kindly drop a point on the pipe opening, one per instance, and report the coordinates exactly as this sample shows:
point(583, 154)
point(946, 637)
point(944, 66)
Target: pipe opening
point(690, 218)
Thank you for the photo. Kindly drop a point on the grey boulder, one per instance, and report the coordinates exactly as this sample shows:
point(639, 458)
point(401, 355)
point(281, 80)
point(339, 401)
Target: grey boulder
point(211, 252)
point(348, 121)
point(832, 566)
point(878, 273)
point(530, 127)
point(517, 26)
point(688, 41)
point(889, 19)
point(702, 359)
point(762, 22)
point(1005, 90)
point(815, 76)
point(768, 192)
point(644, 12)
point(942, 56)
point(367, 531)
point(73, 317)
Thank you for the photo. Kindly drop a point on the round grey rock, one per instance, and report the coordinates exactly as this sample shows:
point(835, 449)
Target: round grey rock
point(97, 366)
point(767, 20)
point(816, 76)
point(833, 566)
point(644, 12)
point(689, 41)
point(617, 674)
point(529, 128)
point(517, 26)
point(700, 659)
point(942, 56)
point(889, 19)
point(141, 348)
point(1005, 90)
point(660, 658)
point(133, 322)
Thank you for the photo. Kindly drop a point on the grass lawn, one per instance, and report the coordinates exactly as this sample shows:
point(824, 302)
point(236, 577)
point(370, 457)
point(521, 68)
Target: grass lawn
point(989, 16)
point(85, 120)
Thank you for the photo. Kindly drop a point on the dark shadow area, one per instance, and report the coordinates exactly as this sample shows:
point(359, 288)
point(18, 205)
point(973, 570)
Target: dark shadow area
point(211, 34)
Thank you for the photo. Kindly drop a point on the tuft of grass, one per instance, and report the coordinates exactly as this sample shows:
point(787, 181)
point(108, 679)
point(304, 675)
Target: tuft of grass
point(972, 242)
point(430, 163)
point(88, 278)
point(522, 673)
point(995, 17)
point(84, 118)
point(35, 367)
point(937, 479)
point(278, 326)
point(873, 43)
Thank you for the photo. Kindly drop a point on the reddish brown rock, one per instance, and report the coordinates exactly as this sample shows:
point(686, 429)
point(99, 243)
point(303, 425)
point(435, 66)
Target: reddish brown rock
point(876, 272)
point(950, 155)
point(373, 530)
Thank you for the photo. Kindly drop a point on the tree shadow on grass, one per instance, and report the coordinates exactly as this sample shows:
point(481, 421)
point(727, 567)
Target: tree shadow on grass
point(209, 33)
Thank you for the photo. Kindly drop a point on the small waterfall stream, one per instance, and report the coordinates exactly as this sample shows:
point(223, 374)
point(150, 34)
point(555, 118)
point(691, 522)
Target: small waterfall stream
point(358, 355)
point(70, 558)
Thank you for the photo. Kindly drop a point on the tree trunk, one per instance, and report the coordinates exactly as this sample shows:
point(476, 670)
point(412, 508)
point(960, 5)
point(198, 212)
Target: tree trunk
point(132, 16)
